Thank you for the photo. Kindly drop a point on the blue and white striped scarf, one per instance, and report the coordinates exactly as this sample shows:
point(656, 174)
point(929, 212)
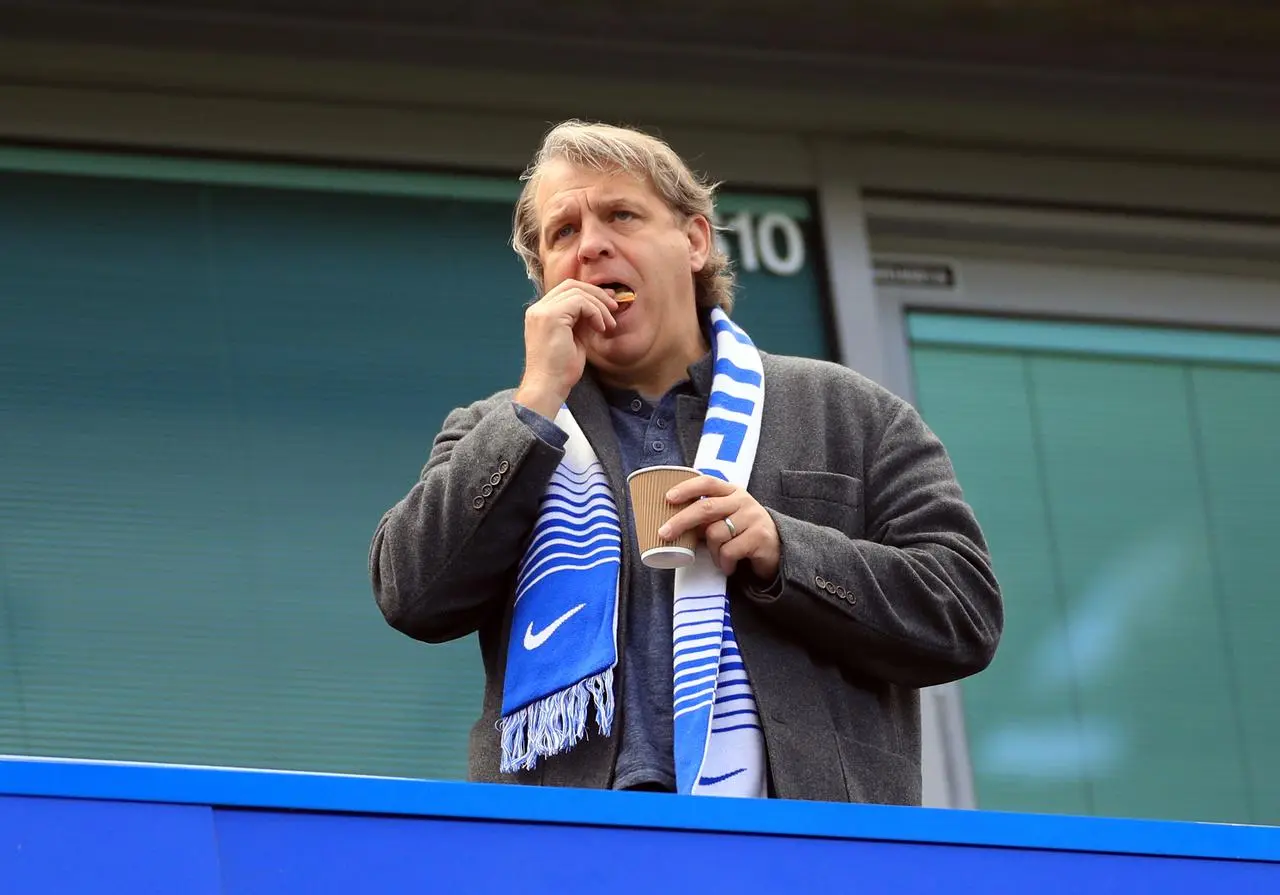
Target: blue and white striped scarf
point(563, 646)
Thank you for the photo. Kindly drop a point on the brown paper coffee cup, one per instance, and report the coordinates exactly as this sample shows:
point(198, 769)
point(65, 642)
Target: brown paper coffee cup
point(649, 503)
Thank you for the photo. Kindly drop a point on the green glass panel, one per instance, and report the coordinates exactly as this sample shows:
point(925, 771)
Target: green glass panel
point(1022, 713)
point(212, 395)
point(1127, 505)
point(1238, 413)
point(1150, 571)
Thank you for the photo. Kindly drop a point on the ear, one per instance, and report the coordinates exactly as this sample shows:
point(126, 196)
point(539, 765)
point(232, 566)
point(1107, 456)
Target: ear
point(698, 230)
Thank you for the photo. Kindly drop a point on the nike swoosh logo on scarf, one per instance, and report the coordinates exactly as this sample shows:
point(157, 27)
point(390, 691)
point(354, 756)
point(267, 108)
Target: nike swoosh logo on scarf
point(711, 781)
point(532, 641)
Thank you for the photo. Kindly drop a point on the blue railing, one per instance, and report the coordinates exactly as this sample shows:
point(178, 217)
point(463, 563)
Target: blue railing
point(84, 826)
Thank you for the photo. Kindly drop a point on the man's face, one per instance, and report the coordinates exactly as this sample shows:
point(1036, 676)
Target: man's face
point(612, 228)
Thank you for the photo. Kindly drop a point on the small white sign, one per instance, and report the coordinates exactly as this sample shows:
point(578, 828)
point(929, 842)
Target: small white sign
point(914, 274)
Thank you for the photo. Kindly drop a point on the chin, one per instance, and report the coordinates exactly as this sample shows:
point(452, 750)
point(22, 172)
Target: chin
point(618, 353)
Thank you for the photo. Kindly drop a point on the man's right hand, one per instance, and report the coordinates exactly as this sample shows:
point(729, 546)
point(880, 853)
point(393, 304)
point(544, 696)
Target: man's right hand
point(555, 332)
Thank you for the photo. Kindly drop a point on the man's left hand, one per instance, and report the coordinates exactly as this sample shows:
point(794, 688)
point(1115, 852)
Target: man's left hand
point(749, 534)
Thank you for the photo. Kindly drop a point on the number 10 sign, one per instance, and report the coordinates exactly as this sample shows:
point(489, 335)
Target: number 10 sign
point(772, 241)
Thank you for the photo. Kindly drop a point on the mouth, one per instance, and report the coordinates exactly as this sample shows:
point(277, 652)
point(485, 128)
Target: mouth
point(622, 293)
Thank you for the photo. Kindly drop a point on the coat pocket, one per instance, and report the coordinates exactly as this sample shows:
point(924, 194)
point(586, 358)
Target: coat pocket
point(823, 498)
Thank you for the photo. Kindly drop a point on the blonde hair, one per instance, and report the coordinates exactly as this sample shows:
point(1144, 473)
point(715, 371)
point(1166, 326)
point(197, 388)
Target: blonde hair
point(604, 147)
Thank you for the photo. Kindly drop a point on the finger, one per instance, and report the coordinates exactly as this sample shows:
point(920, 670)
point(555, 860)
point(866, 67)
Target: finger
point(716, 535)
point(730, 552)
point(727, 563)
point(570, 285)
point(580, 306)
point(714, 550)
point(742, 542)
point(591, 289)
point(601, 304)
point(591, 315)
point(565, 289)
point(603, 296)
point(678, 524)
point(735, 550)
point(701, 486)
point(698, 514)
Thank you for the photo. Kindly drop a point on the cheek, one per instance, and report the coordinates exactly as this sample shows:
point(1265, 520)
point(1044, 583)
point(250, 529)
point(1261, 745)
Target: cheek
point(676, 261)
point(550, 278)
point(554, 270)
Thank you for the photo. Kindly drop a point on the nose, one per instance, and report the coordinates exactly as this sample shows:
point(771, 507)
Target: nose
point(594, 242)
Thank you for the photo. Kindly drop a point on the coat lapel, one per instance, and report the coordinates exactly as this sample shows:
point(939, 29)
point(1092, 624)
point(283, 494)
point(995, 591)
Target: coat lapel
point(589, 408)
point(692, 409)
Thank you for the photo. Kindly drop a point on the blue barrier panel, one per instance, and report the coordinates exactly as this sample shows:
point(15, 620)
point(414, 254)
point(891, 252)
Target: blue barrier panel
point(77, 845)
point(103, 827)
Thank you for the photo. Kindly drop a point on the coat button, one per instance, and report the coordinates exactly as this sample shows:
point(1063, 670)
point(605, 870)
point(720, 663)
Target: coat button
point(494, 479)
point(840, 592)
point(503, 467)
point(821, 582)
point(487, 490)
point(478, 502)
point(831, 588)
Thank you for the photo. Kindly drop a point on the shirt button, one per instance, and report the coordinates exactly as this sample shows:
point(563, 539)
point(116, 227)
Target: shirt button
point(662, 424)
point(659, 446)
point(636, 404)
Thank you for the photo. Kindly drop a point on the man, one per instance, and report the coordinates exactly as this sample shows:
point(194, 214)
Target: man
point(839, 569)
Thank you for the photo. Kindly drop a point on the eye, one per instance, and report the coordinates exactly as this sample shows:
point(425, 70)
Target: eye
point(623, 214)
point(563, 233)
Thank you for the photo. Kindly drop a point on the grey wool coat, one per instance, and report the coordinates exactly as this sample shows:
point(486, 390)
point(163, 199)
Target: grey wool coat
point(887, 585)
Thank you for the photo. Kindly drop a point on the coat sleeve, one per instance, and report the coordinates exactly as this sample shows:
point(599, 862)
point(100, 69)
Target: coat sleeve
point(916, 602)
point(443, 558)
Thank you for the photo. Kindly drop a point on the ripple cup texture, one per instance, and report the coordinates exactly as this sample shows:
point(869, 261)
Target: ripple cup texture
point(648, 501)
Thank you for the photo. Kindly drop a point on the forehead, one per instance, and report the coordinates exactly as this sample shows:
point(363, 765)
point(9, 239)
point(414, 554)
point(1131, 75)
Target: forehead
point(562, 184)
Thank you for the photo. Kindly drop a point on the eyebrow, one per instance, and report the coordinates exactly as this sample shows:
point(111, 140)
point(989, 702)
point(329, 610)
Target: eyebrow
point(554, 219)
point(609, 203)
point(568, 209)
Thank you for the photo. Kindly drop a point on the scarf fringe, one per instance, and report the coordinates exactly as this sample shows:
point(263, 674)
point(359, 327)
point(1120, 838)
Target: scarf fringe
point(556, 723)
